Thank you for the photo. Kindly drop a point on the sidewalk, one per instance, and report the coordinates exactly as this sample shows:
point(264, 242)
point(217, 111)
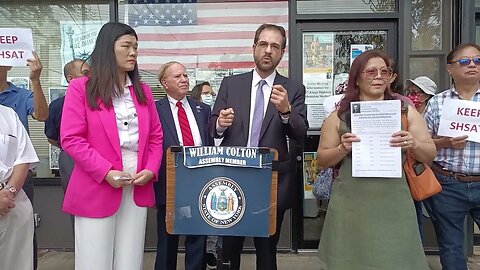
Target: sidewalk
point(54, 260)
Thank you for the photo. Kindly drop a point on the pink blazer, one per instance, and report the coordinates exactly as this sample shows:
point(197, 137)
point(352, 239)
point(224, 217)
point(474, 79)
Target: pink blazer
point(91, 139)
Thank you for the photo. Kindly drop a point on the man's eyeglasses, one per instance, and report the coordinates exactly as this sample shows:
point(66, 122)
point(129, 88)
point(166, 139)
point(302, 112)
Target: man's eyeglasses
point(466, 61)
point(264, 45)
point(385, 73)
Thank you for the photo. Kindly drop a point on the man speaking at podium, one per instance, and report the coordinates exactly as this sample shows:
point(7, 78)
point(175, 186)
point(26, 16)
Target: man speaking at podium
point(261, 108)
point(184, 122)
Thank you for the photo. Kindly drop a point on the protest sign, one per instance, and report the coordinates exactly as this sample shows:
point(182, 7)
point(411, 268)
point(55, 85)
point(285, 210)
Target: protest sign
point(460, 117)
point(16, 46)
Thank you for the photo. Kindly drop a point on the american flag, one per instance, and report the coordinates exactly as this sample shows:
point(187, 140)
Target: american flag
point(201, 34)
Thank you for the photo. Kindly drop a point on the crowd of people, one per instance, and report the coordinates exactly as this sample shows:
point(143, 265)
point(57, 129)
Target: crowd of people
point(113, 145)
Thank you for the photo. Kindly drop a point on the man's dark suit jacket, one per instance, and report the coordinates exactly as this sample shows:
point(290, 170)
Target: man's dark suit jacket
point(235, 92)
point(201, 111)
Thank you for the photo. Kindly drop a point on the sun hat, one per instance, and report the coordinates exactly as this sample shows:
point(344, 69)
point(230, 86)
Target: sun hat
point(425, 84)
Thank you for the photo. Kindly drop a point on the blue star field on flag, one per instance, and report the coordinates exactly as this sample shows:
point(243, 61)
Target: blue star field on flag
point(162, 12)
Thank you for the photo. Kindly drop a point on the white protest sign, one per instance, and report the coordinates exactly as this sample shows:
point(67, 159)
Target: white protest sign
point(16, 46)
point(460, 117)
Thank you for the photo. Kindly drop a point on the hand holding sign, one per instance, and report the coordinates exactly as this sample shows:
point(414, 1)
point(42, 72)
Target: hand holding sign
point(460, 121)
point(35, 67)
point(458, 142)
point(455, 142)
point(16, 46)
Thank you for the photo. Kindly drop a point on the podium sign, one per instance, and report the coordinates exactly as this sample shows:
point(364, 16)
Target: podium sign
point(226, 191)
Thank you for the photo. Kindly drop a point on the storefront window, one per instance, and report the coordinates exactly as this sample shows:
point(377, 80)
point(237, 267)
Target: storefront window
point(425, 66)
point(61, 32)
point(426, 25)
point(327, 57)
point(212, 39)
point(345, 6)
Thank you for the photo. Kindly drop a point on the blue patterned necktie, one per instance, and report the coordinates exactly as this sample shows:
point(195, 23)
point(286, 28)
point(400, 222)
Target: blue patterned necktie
point(257, 119)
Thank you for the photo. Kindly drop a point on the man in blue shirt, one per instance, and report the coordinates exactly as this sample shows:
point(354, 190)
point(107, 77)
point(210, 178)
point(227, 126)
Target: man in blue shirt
point(25, 102)
point(73, 69)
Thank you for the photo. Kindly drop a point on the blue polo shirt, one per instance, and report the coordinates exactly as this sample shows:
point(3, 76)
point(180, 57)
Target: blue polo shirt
point(20, 100)
point(52, 125)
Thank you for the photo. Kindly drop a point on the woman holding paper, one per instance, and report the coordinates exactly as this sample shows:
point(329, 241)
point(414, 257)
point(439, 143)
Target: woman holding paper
point(370, 223)
point(110, 128)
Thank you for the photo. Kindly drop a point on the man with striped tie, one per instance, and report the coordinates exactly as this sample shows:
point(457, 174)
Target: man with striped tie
point(185, 122)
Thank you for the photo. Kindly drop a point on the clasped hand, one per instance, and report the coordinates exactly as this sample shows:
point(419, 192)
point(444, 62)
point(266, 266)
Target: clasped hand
point(141, 178)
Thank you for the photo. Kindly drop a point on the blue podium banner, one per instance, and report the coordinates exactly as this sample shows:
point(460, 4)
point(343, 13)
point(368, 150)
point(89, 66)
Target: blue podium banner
point(218, 196)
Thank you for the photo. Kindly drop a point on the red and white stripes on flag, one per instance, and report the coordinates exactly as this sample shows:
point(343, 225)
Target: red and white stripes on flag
point(221, 38)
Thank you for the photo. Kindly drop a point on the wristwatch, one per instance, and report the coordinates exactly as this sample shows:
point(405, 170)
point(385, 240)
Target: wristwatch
point(12, 189)
point(287, 112)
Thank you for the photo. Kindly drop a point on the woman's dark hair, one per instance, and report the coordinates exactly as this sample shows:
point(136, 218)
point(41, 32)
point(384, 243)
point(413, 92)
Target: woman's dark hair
point(396, 86)
point(353, 92)
point(104, 68)
point(197, 91)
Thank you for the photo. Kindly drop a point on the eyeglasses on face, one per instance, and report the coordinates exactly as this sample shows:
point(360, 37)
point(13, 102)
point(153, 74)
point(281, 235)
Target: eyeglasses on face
point(466, 61)
point(264, 45)
point(385, 73)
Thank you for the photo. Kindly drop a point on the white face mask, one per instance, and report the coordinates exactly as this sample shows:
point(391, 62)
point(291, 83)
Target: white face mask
point(207, 99)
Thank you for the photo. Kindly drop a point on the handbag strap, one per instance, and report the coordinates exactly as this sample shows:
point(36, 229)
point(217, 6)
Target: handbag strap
point(408, 152)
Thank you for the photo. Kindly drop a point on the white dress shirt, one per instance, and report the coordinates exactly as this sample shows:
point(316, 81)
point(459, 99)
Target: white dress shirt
point(197, 139)
point(126, 117)
point(15, 145)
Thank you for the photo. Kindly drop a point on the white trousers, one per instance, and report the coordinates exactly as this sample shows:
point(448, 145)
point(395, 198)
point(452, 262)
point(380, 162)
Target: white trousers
point(16, 235)
point(115, 242)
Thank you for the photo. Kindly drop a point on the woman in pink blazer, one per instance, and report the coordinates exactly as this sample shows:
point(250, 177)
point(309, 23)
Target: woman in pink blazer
point(111, 129)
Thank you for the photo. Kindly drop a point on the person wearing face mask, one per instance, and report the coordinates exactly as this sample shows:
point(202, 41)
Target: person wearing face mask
point(203, 92)
point(420, 90)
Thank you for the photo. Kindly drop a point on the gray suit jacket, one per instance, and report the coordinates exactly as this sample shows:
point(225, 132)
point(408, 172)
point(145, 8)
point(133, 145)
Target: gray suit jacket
point(235, 92)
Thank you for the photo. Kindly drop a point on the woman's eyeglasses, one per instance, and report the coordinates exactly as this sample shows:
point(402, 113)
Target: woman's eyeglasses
point(466, 61)
point(385, 73)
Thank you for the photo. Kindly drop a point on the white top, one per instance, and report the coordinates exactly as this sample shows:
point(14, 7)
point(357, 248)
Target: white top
point(197, 139)
point(267, 91)
point(15, 145)
point(127, 120)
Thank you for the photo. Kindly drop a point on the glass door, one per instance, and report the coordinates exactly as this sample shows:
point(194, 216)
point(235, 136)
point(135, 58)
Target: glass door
point(327, 50)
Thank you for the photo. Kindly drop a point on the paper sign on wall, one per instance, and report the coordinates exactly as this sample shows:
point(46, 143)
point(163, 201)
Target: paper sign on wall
point(16, 46)
point(460, 117)
point(357, 49)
